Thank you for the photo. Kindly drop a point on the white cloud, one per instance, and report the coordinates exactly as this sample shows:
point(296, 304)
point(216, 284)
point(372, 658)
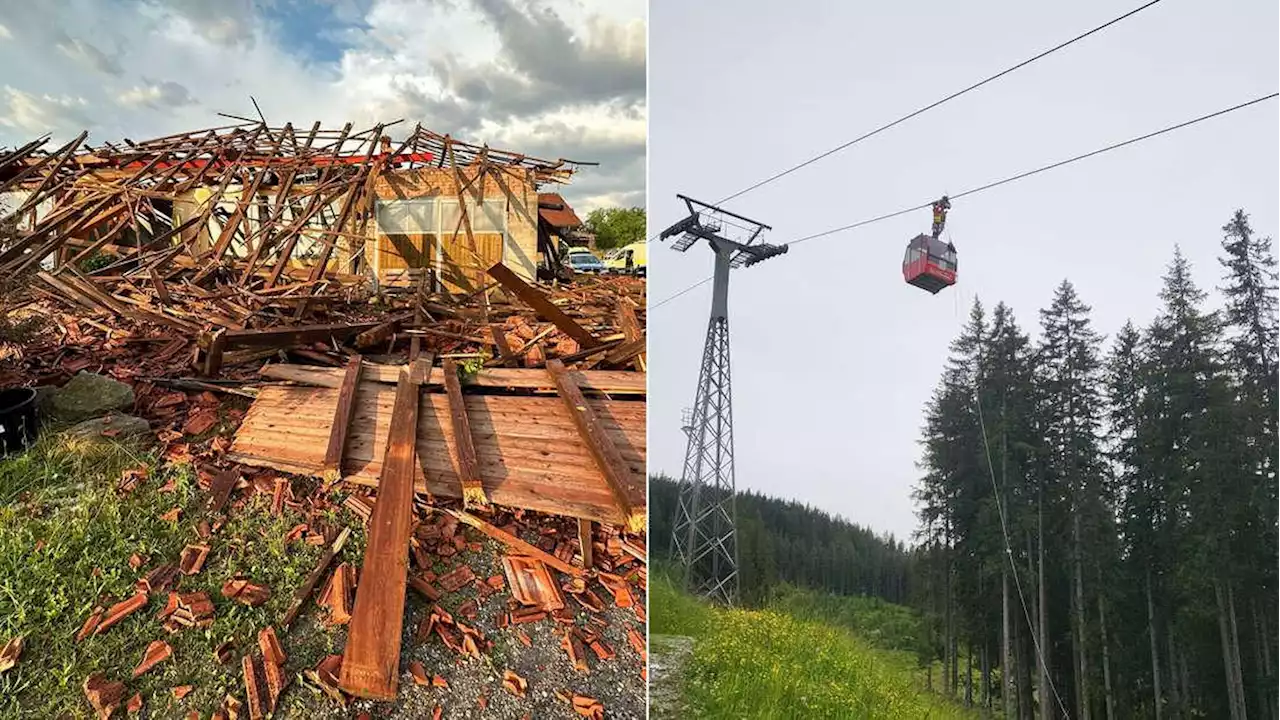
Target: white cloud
point(38, 114)
point(89, 56)
point(550, 78)
point(5, 33)
point(157, 95)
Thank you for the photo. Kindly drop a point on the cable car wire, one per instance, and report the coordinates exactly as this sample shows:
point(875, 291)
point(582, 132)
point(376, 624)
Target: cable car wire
point(1008, 550)
point(1007, 180)
point(935, 104)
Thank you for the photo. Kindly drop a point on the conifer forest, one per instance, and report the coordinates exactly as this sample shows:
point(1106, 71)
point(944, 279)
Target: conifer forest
point(1098, 515)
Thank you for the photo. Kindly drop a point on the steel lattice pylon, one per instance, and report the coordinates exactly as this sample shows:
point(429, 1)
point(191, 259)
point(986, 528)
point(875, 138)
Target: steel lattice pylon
point(703, 537)
point(704, 540)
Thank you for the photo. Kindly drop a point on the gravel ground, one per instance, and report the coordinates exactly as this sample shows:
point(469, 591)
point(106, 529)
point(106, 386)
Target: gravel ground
point(670, 653)
point(617, 682)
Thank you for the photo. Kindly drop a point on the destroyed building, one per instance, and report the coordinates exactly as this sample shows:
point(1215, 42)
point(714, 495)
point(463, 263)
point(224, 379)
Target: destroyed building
point(297, 310)
point(278, 211)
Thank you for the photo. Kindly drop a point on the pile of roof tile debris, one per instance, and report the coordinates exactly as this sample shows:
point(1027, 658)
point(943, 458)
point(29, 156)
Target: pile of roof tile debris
point(479, 405)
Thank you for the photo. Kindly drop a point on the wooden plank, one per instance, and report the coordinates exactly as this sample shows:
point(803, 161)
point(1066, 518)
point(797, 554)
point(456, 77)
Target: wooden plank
point(468, 472)
point(309, 585)
point(512, 541)
point(530, 455)
point(631, 330)
point(371, 661)
point(610, 382)
point(378, 335)
point(606, 454)
point(342, 419)
point(584, 542)
point(213, 353)
point(539, 302)
point(294, 335)
point(500, 340)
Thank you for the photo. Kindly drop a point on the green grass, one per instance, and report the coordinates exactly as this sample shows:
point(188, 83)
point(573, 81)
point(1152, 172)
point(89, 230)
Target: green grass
point(65, 500)
point(772, 664)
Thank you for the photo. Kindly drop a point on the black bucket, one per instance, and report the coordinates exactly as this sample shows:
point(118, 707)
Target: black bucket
point(17, 419)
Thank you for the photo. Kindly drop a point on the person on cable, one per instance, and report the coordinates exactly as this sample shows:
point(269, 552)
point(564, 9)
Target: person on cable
point(940, 209)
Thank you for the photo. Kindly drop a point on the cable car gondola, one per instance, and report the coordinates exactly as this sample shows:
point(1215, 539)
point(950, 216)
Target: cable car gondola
point(930, 263)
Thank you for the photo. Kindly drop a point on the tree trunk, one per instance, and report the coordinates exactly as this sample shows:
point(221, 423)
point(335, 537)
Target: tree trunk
point(968, 675)
point(1007, 672)
point(1265, 642)
point(1155, 655)
point(1237, 667)
point(984, 678)
point(1082, 663)
point(1175, 696)
point(1046, 694)
point(1228, 663)
point(1106, 653)
point(1260, 653)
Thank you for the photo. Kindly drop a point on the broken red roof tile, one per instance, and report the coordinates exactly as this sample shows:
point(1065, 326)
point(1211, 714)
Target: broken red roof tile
point(270, 645)
point(91, 623)
point(225, 651)
point(104, 695)
point(523, 637)
point(120, 611)
point(275, 683)
point(157, 652)
point(158, 579)
point(252, 690)
point(514, 684)
point(10, 654)
point(588, 707)
point(192, 559)
point(457, 578)
point(244, 591)
point(637, 643)
point(531, 583)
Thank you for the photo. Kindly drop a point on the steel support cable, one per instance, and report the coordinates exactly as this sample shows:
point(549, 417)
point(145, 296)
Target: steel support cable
point(937, 103)
point(946, 99)
point(1008, 550)
point(1005, 181)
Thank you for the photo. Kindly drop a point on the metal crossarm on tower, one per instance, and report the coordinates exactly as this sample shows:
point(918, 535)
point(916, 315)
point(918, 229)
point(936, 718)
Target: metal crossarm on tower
point(704, 540)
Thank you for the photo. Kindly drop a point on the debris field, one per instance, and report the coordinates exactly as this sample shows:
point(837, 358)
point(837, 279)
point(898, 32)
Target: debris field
point(273, 328)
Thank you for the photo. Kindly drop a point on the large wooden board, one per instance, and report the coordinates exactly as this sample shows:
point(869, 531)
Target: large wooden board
point(611, 382)
point(529, 452)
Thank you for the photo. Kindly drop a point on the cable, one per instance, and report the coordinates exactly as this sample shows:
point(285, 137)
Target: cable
point(1008, 550)
point(700, 283)
point(933, 105)
point(1012, 178)
point(1038, 170)
point(948, 98)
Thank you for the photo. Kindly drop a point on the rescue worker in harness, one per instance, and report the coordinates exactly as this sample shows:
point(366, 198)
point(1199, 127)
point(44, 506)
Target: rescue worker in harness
point(940, 209)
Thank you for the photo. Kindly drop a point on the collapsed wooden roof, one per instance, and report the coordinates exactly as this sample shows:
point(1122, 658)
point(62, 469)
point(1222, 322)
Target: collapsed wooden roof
point(263, 190)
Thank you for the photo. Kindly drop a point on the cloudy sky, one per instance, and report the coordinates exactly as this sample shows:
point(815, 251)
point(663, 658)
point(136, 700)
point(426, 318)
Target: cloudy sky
point(553, 78)
point(834, 356)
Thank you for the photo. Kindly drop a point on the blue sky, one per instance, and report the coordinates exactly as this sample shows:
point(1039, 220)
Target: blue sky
point(550, 78)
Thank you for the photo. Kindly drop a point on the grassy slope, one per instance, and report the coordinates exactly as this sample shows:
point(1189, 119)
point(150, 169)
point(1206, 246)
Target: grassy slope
point(64, 501)
point(771, 664)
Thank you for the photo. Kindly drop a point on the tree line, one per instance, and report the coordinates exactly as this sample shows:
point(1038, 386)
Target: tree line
point(786, 542)
point(1098, 519)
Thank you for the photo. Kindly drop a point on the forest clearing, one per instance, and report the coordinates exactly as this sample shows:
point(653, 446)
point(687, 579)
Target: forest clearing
point(771, 663)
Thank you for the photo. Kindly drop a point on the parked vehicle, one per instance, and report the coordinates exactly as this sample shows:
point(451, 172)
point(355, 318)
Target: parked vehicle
point(584, 262)
point(629, 259)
